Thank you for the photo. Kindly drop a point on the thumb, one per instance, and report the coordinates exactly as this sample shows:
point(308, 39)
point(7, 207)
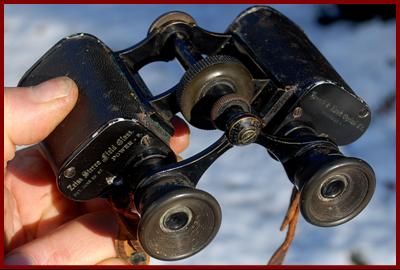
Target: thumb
point(31, 113)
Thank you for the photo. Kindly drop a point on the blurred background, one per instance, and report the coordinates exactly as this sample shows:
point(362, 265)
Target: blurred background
point(252, 189)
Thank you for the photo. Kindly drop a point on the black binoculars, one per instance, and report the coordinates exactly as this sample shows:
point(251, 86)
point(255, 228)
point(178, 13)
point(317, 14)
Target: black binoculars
point(262, 81)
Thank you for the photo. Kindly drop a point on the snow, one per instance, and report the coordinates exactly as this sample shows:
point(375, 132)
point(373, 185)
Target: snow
point(252, 189)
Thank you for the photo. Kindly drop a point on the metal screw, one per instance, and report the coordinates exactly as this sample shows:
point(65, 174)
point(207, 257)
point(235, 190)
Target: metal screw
point(145, 140)
point(137, 258)
point(244, 130)
point(110, 179)
point(70, 172)
point(297, 112)
point(363, 113)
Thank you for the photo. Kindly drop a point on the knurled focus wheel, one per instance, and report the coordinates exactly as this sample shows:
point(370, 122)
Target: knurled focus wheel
point(207, 81)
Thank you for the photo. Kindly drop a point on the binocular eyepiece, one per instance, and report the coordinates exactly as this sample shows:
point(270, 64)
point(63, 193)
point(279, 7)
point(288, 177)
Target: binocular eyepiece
point(333, 188)
point(177, 221)
point(262, 81)
point(337, 191)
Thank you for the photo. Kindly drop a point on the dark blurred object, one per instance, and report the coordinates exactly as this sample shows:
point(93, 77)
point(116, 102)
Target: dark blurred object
point(390, 185)
point(388, 103)
point(356, 13)
point(357, 258)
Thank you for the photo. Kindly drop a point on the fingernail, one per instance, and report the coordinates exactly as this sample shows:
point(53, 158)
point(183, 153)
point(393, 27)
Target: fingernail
point(181, 128)
point(18, 259)
point(51, 90)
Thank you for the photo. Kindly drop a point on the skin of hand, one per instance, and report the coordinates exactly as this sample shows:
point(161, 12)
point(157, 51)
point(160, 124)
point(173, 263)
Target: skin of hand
point(41, 227)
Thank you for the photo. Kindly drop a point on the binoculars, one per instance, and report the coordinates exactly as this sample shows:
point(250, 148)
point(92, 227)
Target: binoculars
point(262, 81)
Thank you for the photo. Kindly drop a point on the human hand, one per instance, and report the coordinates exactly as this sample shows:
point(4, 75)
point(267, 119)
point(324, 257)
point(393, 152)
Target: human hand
point(40, 225)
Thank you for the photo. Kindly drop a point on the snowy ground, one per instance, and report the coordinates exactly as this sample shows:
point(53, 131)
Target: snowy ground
point(251, 188)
